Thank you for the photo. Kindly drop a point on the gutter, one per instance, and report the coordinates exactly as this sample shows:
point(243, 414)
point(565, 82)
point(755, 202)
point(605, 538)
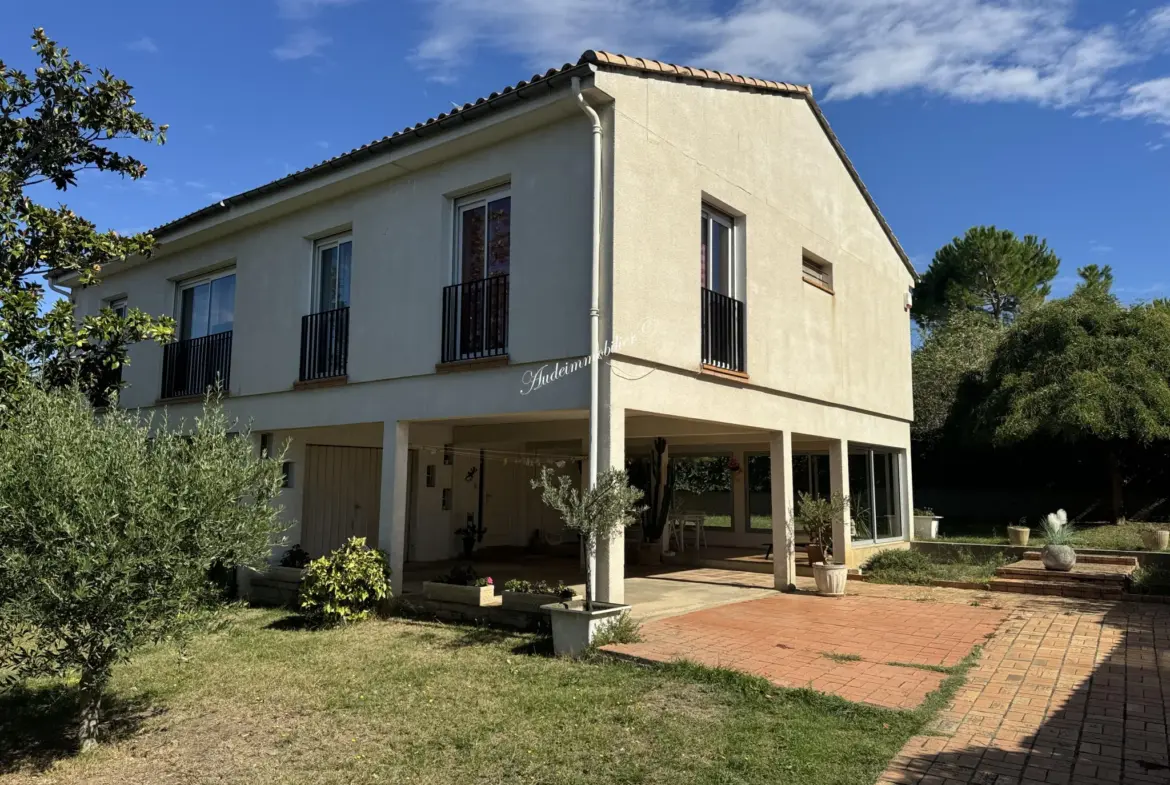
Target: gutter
point(594, 309)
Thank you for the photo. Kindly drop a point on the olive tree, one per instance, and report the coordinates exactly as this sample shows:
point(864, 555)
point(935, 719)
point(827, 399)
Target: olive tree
point(599, 513)
point(109, 526)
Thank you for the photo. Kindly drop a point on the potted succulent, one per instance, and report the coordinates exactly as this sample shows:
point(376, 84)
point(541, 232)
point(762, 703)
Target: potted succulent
point(600, 513)
point(1154, 539)
point(531, 596)
point(926, 524)
point(816, 516)
point(1058, 554)
point(1018, 535)
point(461, 586)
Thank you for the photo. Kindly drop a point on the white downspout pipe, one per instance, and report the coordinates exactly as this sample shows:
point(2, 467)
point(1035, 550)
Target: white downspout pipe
point(594, 311)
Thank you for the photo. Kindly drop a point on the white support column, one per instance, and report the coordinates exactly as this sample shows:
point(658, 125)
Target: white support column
point(392, 515)
point(783, 530)
point(839, 483)
point(611, 555)
point(907, 478)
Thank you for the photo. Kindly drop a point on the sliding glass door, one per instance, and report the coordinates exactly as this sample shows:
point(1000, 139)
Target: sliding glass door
point(875, 494)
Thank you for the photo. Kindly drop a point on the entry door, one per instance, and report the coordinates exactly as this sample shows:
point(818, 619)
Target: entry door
point(343, 490)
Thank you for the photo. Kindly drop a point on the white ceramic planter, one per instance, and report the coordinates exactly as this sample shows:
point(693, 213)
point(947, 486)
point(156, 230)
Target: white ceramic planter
point(926, 527)
point(574, 627)
point(1018, 535)
point(527, 601)
point(1156, 540)
point(462, 595)
point(831, 579)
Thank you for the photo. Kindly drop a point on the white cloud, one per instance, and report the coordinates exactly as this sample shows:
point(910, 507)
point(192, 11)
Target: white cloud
point(1096, 247)
point(322, 144)
point(970, 50)
point(198, 185)
point(1149, 99)
point(144, 44)
point(216, 196)
point(302, 44)
point(305, 9)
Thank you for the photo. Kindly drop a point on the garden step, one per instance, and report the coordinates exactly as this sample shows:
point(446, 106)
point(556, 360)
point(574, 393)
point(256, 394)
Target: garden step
point(1085, 591)
point(1091, 558)
point(1099, 574)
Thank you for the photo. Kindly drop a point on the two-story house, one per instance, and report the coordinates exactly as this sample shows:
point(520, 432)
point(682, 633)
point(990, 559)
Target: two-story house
point(412, 316)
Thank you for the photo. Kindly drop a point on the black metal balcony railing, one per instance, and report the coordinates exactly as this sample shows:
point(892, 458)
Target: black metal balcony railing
point(723, 331)
point(475, 319)
point(192, 366)
point(325, 344)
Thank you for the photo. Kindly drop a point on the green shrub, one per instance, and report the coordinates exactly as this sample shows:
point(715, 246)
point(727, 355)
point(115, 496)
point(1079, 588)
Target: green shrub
point(346, 585)
point(1150, 580)
point(620, 629)
point(916, 568)
point(539, 587)
point(900, 561)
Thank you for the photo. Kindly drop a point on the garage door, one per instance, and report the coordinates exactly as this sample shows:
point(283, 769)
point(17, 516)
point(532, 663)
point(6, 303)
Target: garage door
point(342, 495)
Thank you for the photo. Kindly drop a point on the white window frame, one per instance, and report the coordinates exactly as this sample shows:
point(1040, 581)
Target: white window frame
point(711, 215)
point(118, 303)
point(462, 205)
point(191, 283)
point(333, 241)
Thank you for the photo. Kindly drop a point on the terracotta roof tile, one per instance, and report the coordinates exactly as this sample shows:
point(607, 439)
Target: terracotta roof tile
point(511, 93)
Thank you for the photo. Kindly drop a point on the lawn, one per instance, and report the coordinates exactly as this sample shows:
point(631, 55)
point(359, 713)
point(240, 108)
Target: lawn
point(1124, 537)
point(416, 702)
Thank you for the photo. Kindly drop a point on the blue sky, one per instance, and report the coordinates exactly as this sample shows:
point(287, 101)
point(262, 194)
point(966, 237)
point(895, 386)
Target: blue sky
point(1048, 117)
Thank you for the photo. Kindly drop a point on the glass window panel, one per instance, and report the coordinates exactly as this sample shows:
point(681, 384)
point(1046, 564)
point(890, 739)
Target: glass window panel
point(860, 503)
point(721, 261)
point(885, 495)
point(822, 485)
point(472, 244)
point(704, 226)
point(327, 278)
point(196, 304)
point(499, 237)
point(344, 261)
point(759, 491)
point(801, 477)
point(703, 484)
point(223, 305)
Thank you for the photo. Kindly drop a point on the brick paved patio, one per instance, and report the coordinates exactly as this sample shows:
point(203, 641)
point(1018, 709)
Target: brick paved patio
point(787, 639)
point(1067, 691)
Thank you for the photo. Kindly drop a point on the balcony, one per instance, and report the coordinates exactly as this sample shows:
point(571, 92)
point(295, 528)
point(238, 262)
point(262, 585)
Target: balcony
point(723, 332)
point(325, 345)
point(475, 319)
point(190, 367)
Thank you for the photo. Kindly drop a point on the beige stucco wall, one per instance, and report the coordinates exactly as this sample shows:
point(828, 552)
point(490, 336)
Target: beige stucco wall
point(402, 250)
point(765, 159)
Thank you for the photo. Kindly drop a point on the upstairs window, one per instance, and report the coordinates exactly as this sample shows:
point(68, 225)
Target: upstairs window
point(483, 235)
point(333, 259)
point(818, 273)
point(118, 306)
point(207, 305)
point(716, 252)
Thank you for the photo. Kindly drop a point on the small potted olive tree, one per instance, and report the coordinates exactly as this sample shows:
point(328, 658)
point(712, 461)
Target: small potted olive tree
point(816, 517)
point(1058, 553)
point(599, 513)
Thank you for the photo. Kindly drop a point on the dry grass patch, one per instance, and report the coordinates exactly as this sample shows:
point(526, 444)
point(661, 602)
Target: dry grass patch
point(416, 703)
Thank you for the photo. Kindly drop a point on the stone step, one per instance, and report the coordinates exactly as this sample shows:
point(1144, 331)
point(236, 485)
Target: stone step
point(1085, 591)
point(1091, 558)
point(1081, 575)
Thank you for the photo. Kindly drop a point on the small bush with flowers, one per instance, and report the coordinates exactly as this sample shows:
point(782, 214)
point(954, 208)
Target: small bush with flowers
point(463, 575)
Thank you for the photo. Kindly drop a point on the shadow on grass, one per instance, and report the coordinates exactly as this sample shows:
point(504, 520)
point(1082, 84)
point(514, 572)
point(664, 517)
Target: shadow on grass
point(292, 623)
point(38, 724)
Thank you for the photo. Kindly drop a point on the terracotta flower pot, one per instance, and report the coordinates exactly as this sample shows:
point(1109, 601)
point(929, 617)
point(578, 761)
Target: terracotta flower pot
point(815, 554)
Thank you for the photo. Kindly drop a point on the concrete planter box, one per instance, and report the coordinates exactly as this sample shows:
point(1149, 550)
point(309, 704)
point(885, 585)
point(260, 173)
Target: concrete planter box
point(831, 579)
point(462, 595)
point(574, 627)
point(926, 527)
point(529, 602)
point(272, 586)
